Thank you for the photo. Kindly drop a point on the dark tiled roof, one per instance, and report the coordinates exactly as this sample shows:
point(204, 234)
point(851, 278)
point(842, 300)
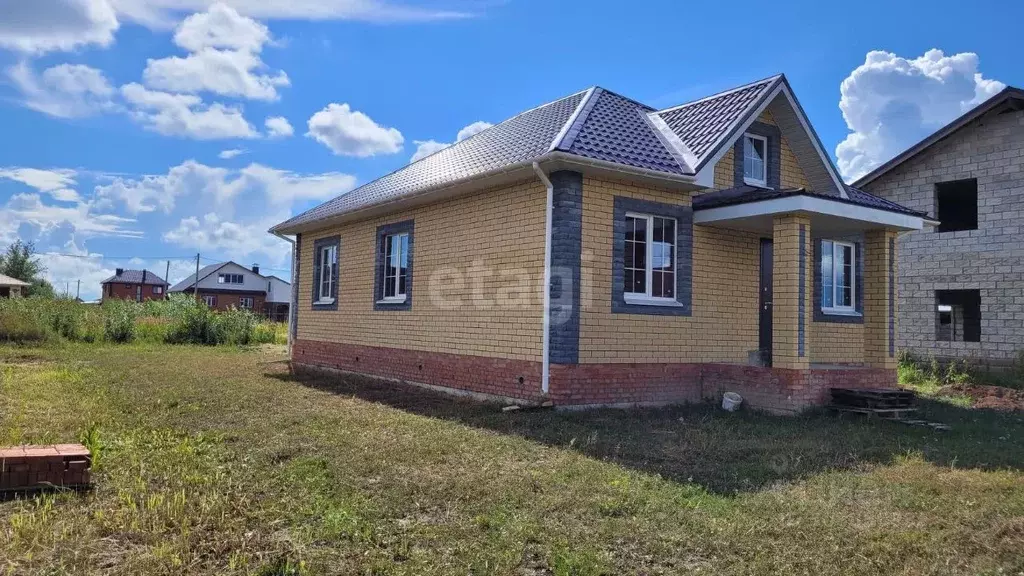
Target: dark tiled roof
point(614, 128)
point(518, 139)
point(135, 277)
point(703, 123)
point(746, 194)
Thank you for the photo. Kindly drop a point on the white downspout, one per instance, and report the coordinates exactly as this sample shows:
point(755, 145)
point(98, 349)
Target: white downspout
point(546, 346)
point(293, 301)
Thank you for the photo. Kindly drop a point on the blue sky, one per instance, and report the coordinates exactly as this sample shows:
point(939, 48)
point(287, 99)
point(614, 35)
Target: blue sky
point(141, 130)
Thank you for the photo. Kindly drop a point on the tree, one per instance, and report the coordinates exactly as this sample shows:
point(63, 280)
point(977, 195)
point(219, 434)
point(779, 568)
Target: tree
point(20, 261)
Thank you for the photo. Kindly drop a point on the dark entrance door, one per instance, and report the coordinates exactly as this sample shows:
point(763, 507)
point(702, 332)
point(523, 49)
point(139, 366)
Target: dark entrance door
point(765, 316)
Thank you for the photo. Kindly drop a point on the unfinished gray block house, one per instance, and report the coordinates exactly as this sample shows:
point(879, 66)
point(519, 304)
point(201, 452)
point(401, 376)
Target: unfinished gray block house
point(961, 282)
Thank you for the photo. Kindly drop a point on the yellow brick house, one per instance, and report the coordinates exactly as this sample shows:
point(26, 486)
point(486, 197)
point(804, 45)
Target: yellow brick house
point(595, 251)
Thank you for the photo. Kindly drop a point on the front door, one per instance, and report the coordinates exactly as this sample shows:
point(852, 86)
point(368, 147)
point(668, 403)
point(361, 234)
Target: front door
point(765, 317)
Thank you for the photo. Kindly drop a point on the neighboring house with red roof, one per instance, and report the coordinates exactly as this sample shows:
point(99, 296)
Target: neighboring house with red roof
point(961, 285)
point(137, 285)
point(597, 251)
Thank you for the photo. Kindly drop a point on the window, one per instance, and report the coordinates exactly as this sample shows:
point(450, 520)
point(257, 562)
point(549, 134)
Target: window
point(210, 301)
point(245, 303)
point(755, 160)
point(158, 289)
point(328, 259)
point(838, 277)
point(396, 267)
point(958, 315)
point(230, 279)
point(649, 257)
point(956, 204)
point(138, 293)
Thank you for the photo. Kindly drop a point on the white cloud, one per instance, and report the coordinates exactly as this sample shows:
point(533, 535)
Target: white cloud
point(160, 192)
point(351, 133)
point(57, 182)
point(162, 13)
point(231, 153)
point(70, 264)
point(37, 26)
point(83, 218)
point(284, 187)
point(63, 91)
point(185, 115)
point(425, 148)
point(278, 127)
point(224, 58)
point(472, 130)
point(238, 240)
point(889, 103)
point(217, 186)
point(222, 27)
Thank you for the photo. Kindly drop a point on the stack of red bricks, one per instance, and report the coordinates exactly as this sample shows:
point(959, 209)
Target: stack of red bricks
point(35, 467)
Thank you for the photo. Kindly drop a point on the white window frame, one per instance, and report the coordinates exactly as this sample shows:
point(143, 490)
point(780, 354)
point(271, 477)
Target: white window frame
point(763, 181)
point(327, 255)
point(834, 309)
point(647, 297)
point(209, 300)
point(399, 297)
point(158, 289)
point(242, 302)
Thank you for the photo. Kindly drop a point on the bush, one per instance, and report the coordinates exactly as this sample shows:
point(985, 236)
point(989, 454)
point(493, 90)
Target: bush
point(235, 327)
point(21, 320)
point(190, 322)
point(119, 320)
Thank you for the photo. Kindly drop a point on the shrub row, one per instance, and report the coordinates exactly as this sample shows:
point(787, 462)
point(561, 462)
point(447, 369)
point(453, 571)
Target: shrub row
point(178, 320)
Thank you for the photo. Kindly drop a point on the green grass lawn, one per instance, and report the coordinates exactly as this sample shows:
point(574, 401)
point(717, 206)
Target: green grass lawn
point(217, 461)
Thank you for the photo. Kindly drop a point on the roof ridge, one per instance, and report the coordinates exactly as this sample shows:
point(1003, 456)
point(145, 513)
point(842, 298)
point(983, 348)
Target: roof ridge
point(768, 79)
point(567, 135)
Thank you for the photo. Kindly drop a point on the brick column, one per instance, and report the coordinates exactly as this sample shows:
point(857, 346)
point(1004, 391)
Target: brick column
point(880, 298)
point(792, 287)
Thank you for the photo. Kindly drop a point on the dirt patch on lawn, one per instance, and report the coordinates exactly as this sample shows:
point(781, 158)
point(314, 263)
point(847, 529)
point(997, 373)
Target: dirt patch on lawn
point(992, 397)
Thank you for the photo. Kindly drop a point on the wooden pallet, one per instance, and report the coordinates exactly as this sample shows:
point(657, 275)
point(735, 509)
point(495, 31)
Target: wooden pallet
point(888, 413)
point(875, 399)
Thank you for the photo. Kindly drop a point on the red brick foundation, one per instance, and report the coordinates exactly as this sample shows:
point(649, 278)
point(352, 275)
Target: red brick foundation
point(579, 385)
point(35, 467)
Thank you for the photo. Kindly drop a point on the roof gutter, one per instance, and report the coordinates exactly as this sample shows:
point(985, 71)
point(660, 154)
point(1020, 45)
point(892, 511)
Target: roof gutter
point(293, 303)
point(545, 371)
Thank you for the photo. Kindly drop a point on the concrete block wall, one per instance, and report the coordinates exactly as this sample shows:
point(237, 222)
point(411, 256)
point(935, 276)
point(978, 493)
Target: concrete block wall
point(990, 259)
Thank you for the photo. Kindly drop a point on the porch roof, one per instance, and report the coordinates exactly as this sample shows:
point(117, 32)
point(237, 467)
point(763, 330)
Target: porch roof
point(752, 208)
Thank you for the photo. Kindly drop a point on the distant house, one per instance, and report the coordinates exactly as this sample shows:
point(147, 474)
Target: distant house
point(137, 285)
point(227, 284)
point(11, 287)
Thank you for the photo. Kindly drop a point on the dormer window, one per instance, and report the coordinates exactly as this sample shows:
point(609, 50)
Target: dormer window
point(755, 160)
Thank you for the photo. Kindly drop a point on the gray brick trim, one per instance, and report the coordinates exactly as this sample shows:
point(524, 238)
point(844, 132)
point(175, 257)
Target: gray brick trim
point(378, 266)
point(294, 312)
point(684, 256)
point(820, 316)
point(802, 293)
point(317, 246)
point(566, 249)
point(774, 136)
point(892, 297)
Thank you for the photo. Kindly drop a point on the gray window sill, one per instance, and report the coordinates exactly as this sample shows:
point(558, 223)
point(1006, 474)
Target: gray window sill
point(841, 313)
point(386, 301)
point(651, 302)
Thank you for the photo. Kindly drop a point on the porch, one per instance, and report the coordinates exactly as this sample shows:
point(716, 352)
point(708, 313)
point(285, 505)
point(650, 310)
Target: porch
point(827, 269)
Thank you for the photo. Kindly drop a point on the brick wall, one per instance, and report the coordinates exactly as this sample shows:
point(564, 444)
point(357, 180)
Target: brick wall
point(791, 176)
point(227, 300)
point(990, 258)
point(127, 291)
point(499, 231)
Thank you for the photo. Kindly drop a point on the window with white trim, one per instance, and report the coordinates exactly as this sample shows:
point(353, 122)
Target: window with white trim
point(245, 302)
point(158, 289)
point(838, 277)
point(210, 301)
point(328, 268)
point(755, 160)
point(230, 279)
point(396, 267)
point(649, 258)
